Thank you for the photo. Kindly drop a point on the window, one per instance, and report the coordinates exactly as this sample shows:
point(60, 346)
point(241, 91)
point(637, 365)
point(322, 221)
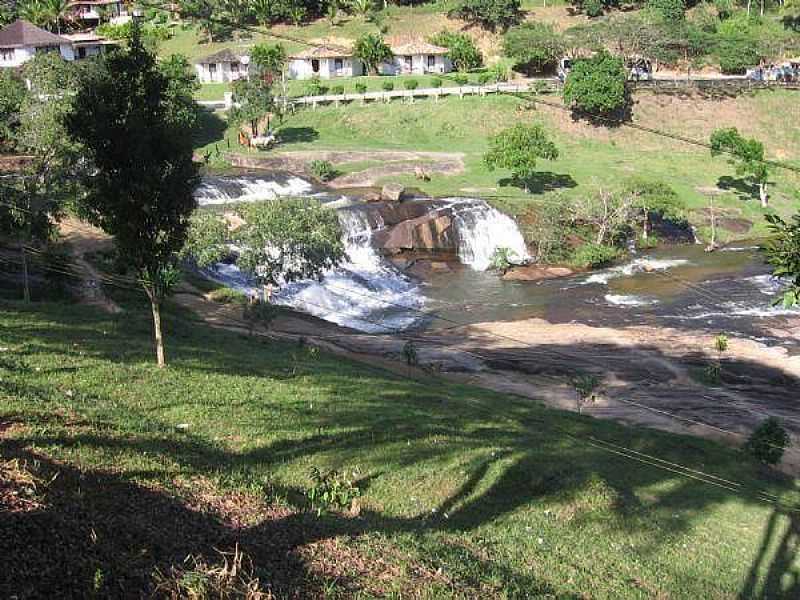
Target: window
point(235, 68)
point(6, 54)
point(46, 49)
point(407, 60)
point(338, 64)
point(82, 52)
point(315, 65)
point(431, 61)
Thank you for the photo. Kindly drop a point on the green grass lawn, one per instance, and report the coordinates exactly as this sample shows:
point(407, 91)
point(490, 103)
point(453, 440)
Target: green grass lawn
point(464, 492)
point(591, 157)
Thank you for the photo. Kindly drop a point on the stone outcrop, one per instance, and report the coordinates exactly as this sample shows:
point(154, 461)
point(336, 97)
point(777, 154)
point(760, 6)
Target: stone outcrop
point(392, 192)
point(536, 273)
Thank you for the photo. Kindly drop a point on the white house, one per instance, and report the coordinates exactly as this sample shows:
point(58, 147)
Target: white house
point(92, 12)
point(222, 67)
point(86, 45)
point(325, 62)
point(20, 41)
point(418, 58)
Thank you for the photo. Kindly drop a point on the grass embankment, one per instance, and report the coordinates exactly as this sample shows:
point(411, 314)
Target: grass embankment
point(464, 492)
point(590, 156)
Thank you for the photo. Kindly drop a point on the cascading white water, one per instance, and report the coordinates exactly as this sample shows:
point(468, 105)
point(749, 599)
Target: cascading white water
point(365, 292)
point(482, 230)
point(249, 188)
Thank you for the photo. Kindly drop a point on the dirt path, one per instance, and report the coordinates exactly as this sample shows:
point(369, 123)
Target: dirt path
point(392, 163)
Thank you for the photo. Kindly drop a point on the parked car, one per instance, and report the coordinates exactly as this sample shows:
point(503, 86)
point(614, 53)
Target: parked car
point(639, 69)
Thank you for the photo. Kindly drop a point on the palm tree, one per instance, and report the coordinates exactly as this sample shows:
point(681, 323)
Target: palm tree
point(34, 11)
point(56, 10)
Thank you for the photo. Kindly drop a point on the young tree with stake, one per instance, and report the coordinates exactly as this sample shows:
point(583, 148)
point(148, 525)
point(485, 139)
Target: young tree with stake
point(142, 177)
point(746, 154)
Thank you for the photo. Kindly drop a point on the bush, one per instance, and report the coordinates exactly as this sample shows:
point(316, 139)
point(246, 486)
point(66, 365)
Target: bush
point(436, 82)
point(387, 86)
point(361, 88)
point(534, 47)
point(591, 256)
point(484, 78)
point(461, 79)
point(332, 490)
point(597, 84)
point(322, 170)
point(593, 8)
point(768, 442)
point(337, 90)
point(671, 11)
point(490, 14)
point(226, 295)
point(411, 84)
point(736, 56)
point(463, 52)
point(314, 87)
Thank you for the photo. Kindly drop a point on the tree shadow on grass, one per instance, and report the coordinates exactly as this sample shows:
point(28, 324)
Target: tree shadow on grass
point(296, 135)
point(211, 127)
point(541, 182)
point(744, 189)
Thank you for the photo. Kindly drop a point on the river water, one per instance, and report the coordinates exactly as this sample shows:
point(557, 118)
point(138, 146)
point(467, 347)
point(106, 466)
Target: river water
point(678, 286)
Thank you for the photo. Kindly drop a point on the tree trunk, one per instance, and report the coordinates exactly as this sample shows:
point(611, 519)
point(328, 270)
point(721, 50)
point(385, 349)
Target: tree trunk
point(749, 4)
point(155, 306)
point(646, 225)
point(26, 286)
point(762, 194)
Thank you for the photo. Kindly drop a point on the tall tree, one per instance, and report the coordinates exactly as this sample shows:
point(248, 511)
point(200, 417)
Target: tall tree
point(517, 149)
point(12, 95)
point(490, 14)
point(597, 86)
point(461, 49)
point(746, 155)
point(139, 146)
point(535, 47)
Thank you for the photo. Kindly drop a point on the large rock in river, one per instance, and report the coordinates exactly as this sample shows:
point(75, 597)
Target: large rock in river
point(432, 232)
point(392, 192)
point(536, 273)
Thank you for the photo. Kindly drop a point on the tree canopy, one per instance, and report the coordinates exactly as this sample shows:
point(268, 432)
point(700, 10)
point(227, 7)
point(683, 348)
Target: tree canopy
point(535, 47)
point(783, 253)
point(746, 154)
point(490, 14)
point(518, 148)
point(463, 52)
point(372, 50)
point(139, 191)
point(597, 85)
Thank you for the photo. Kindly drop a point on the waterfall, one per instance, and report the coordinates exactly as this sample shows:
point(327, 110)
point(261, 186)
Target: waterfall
point(365, 291)
point(249, 188)
point(482, 230)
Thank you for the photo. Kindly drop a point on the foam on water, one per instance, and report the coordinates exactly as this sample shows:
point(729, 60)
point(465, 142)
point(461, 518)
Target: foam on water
point(226, 190)
point(622, 300)
point(639, 265)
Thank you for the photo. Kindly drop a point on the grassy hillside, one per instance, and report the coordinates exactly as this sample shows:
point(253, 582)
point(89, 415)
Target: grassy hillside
point(590, 156)
point(464, 493)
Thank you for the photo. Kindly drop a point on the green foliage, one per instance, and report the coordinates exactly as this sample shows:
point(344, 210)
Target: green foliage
point(489, 14)
point(502, 260)
point(436, 82)
point(593, 8)
point(332, 490)
point(597, 85)
point(721, 343)
point(671, 11)
point(151, 33)
point(387, 86)
point(253, 102)
point(518, 148)
point(288, 239)
point(259, 314)
point(226, 295)
point(463, 52)
point(783, 253)
point(534, 47)
point(745, 154)
point(12, 95)
point(315, 87)
point(461, 78)
point(410, 353)
point(652, 197)
point(206, 240)
point(738, 44)
point(337, 90)
point(768, 442)
point(322, 169)
point(361, 88)
point(267, 61)
point(182, 86)
point(372, 50)
point(591, 256)
point(585, 385)
point(410, 84)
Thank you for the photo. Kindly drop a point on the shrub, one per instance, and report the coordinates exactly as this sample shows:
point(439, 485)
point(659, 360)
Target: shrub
point(411, 84)
point(226, 295)
point(593, 8)
point(463, 52)
point(671, 11)
point(387, 86)
point(591, 256)
point(372, 50)
point(490, 14)
point(768, 441)
point(332, 490)
point(322, 170)
point(534, 47)
point(361, 88)
point(460, 79)
point(337, 90)
point(314, 87)
point(484, 78)
point(597, 84)
point(436, 82)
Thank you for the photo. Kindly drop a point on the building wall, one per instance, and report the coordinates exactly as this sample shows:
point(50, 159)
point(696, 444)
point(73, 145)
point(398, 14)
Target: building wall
point(223, 74)
point(24, 54)
point(419, 65)
point(303, 68)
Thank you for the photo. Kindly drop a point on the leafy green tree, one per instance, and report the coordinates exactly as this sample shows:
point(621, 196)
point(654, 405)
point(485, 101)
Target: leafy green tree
point(517, 149)
point(738, 42)
point(783, 253)
point(671, 11)
point(56, 11)
point(768, 442)
point(253, 102)
point(490, 14)
point(654, 198)
point(463, 52)
point(12, 95)
point(372, 51)
point(747, 156)
point(534, 47)
point(266, 12)
point(597, 85)
point(362, 8)
point(140, 191)
point(8, 12)
point(182, 85)
point(205, 14)
point(206, 240)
